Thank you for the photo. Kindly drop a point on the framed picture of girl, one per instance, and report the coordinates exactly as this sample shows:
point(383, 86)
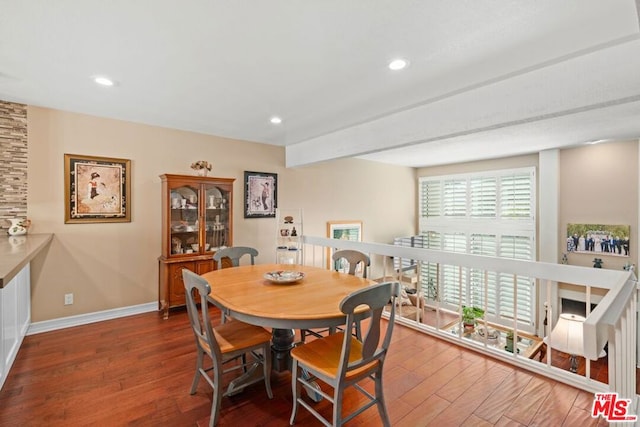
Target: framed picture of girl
point(96, 189)
point(260, 194)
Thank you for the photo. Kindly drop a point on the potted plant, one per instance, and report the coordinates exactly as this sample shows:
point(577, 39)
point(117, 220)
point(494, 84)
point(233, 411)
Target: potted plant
point(469, 316)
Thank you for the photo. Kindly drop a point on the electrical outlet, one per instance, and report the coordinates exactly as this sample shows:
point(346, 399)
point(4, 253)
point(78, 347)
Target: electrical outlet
point(68, 299)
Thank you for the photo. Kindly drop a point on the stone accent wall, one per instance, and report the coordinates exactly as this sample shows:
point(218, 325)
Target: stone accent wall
point(13, 162)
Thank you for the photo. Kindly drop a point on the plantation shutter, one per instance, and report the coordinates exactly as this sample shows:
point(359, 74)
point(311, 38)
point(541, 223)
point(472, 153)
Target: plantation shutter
point(429, 279)
point(516, 196)
point(483, 283)
point(517, 247)
point(483, 191)
point(431, 199)
point(490, 214)
point(453, 277)
point(454, 198)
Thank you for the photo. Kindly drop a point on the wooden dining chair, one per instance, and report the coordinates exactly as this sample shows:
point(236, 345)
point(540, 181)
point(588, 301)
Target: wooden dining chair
point(227, 344)
point(341, 360)
point(353, 258)
point(234, 253)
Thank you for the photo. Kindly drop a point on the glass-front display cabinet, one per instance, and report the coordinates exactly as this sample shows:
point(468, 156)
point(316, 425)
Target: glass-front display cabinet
point(197, 220)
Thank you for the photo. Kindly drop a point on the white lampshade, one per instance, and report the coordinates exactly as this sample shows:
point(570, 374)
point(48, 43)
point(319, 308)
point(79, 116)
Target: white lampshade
point(567, 334)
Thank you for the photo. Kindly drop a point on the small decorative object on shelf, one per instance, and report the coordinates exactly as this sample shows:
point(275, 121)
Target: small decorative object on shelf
point(597, 263)
point(201, 167)
point(509, 346)
point(289, 236)
point(18, 226)
point(564, 260)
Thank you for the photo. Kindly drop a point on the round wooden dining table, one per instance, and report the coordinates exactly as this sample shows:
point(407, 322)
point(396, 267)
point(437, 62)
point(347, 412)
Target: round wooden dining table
point(312, 302)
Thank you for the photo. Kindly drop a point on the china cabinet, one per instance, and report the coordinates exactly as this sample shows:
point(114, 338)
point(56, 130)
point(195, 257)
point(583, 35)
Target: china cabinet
point(197, 220)
point(289, 236)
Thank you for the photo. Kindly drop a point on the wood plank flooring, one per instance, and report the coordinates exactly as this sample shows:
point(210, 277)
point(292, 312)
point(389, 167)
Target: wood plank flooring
point(137, 371)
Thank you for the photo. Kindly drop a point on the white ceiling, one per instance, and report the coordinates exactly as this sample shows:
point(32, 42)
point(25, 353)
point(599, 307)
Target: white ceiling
point(487, 78)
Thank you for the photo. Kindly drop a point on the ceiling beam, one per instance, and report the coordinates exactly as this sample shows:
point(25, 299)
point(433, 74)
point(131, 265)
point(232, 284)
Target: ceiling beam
point(593, 81)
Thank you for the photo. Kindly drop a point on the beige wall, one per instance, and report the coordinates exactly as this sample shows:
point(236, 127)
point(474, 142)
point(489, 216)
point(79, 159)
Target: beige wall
point(599, 185)
point(115, 264)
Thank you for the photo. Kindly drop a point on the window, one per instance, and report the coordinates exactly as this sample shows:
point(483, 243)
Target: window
point(490, 214)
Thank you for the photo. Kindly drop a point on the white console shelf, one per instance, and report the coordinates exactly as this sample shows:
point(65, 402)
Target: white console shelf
point(289, 236)
point(15, 318)
point(16, 253)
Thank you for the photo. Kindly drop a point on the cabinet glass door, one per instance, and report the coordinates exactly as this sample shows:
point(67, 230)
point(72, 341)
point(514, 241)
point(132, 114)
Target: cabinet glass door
point(216, 218)
point(184, 220)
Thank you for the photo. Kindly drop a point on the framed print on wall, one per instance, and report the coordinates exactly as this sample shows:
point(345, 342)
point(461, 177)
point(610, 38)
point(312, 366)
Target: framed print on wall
point(343, 230)
point(260, 194)
point(96, 189)
point(598, 239)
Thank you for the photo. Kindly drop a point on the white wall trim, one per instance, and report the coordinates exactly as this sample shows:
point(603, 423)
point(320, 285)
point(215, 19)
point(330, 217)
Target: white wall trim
point(84, 319)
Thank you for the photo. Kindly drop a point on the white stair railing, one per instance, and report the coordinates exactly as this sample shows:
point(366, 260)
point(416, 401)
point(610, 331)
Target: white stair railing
point(612, 322)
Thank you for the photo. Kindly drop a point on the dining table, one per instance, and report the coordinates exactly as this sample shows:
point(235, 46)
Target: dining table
point(303, 297)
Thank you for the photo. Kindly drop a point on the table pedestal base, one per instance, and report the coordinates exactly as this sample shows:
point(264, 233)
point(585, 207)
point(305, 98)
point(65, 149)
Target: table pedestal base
point(281, 344)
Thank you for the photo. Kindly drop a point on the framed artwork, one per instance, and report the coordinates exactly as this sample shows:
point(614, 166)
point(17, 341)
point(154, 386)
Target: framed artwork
point(343, 230)
point(260, 194)
point(96, 189)
point(598, 239)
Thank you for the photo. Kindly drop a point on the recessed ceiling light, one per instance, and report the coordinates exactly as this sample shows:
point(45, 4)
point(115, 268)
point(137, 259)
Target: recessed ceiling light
point(398, 64)
point(276, 120)
point(104, 81)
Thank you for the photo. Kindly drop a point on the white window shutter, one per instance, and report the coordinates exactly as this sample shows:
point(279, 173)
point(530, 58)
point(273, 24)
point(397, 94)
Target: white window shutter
point(455, 214)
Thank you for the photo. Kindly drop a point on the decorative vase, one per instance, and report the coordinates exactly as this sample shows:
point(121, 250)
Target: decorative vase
point(202, 172)
point(18, 226)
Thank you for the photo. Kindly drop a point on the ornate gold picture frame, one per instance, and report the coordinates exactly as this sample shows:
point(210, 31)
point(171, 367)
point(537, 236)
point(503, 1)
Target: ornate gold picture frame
point(96, 189)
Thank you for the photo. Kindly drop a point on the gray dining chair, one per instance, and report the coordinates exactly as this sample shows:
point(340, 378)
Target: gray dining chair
point(233, 340)
point(234, 253)
point(341, 360)
point(354, 258)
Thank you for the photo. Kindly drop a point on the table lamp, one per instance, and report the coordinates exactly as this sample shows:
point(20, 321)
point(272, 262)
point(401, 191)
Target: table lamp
point(567, 337)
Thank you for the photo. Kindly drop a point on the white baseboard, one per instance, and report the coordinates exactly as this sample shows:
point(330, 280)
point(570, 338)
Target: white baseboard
point(84, 319)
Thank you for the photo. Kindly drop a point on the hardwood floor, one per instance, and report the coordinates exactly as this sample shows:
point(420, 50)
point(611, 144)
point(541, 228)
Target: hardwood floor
point(137, 371)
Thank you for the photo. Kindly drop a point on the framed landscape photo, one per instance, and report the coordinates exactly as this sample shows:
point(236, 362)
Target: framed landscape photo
point(342, 230)
point(260, 194)
point(96, 189)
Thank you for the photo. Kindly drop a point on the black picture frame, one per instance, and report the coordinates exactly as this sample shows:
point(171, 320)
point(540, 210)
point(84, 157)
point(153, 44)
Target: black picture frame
point(260, 194)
